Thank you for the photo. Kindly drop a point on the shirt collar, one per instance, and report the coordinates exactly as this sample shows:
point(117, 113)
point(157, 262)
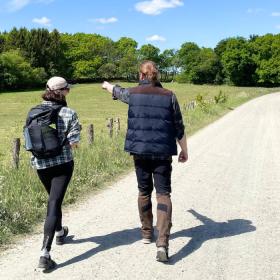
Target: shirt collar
point(52, 103)
point(49, 103)
point(147, 82)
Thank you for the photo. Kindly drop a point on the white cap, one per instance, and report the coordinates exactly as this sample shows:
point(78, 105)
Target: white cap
point(56, 83)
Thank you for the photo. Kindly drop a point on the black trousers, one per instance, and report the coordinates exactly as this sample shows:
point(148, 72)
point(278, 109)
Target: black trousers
point(153, 172)
point(55, 180)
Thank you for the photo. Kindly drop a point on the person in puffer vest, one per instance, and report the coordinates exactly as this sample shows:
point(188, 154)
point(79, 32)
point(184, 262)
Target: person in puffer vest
point(154, 126)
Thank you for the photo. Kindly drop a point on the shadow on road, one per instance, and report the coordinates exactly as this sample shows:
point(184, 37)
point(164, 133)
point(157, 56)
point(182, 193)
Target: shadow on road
point(209, 230)
point(105, 242)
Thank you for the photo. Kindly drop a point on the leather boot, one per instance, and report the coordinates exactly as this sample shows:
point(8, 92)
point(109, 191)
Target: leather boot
point(146, 215)
point(164, 213)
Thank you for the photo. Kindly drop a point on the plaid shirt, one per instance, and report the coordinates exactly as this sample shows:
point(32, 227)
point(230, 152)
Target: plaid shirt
point(67, 125)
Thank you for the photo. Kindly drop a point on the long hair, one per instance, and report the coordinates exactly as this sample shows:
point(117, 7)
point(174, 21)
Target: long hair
point(55, 96)
point(149, 69)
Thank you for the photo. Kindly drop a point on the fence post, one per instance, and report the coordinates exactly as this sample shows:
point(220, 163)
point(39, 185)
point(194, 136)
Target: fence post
point(110, 126)
point(191, 105)
point(118, 125)
point(90, 134)
point(16, 150)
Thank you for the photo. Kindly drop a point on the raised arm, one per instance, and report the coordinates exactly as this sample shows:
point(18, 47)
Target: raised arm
point(117, 92)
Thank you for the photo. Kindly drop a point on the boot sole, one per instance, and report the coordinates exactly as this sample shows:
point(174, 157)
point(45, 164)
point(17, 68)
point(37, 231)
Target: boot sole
point(146, 241)
point(162, 257)
point(46, 268)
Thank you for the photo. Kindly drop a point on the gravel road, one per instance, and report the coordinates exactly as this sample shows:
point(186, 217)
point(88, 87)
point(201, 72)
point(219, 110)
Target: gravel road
point(226, 213)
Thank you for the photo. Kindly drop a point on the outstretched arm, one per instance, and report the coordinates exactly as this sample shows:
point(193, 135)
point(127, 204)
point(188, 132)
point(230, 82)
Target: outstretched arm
point(205, 220)
point(117, 92)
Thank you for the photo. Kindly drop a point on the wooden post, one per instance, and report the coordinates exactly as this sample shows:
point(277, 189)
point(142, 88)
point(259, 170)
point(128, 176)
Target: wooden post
point(118, 125)
point(90, 134)
point(194, 104)
point(110, 126)
point(16, 150)
point(191, 105)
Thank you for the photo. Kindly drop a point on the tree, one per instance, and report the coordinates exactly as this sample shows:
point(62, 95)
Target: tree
point(87, 69)
point(199, 65)
point(125, 45)
point(269, 72)
point(127, 58)
point(16, 72)
point(238, 64)
point(187, 55)
point(149, 52)
point(266, 55)
point(207, 68)
point(2, 42)
point(86, 53)
point(107, 71)
point(166, 64)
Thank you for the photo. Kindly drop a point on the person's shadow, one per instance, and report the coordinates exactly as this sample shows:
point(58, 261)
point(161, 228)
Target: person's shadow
point(104, 242)
point(209, 230)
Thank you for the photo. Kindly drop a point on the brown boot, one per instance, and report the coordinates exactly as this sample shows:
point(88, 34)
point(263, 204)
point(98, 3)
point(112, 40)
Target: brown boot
point(164, 213)
point(146, 217)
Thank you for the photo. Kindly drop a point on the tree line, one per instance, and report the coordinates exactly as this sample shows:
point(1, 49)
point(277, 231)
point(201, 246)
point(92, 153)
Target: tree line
point(29, 57)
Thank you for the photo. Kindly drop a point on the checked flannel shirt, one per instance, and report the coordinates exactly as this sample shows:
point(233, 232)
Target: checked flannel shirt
point(67, 125)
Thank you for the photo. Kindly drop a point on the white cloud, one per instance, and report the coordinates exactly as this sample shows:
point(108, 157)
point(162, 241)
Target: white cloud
point(104, 20)
point(16, 5)
point(42, 21)
point(155, 7)
point(278, 26)
point(45, 1)
point(255, 11)
point(275, 14)
point(156, 38)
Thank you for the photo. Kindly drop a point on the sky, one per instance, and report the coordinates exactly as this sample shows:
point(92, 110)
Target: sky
point(163, 23)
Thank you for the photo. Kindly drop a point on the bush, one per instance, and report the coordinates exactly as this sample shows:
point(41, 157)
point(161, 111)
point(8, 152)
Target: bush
point(220, 98)
point(16, 72)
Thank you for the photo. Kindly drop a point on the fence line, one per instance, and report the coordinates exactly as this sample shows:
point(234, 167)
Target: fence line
point(189, 106)
point(90, 138)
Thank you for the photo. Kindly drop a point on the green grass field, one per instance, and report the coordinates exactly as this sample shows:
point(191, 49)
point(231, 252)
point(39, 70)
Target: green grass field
point(22, 199)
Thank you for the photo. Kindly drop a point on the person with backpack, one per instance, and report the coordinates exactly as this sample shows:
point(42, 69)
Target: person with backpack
point(154, 124)
point(52, 130)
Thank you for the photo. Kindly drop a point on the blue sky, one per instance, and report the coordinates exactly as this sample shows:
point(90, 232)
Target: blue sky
point(164, 23)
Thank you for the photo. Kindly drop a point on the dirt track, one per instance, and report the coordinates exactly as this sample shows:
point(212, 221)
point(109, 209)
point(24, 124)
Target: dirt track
point(231, 183)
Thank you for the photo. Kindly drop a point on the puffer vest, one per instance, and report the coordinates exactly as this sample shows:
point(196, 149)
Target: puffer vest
point(150, 129)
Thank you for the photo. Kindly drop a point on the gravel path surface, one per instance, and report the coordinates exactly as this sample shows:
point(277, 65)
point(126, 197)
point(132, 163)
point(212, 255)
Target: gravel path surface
point(225, 213)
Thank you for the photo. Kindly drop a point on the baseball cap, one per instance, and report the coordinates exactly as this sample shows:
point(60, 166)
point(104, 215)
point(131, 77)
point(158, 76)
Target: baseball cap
point(56, 83)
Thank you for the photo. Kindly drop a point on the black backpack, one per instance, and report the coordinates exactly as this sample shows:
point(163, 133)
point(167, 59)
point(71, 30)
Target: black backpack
point(40, 137)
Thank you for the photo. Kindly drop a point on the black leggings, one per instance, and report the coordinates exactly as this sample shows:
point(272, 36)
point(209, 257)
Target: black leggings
point(55, 180)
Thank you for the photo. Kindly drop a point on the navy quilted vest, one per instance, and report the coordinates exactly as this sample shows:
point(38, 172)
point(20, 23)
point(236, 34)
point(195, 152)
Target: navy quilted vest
point(150, 121)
